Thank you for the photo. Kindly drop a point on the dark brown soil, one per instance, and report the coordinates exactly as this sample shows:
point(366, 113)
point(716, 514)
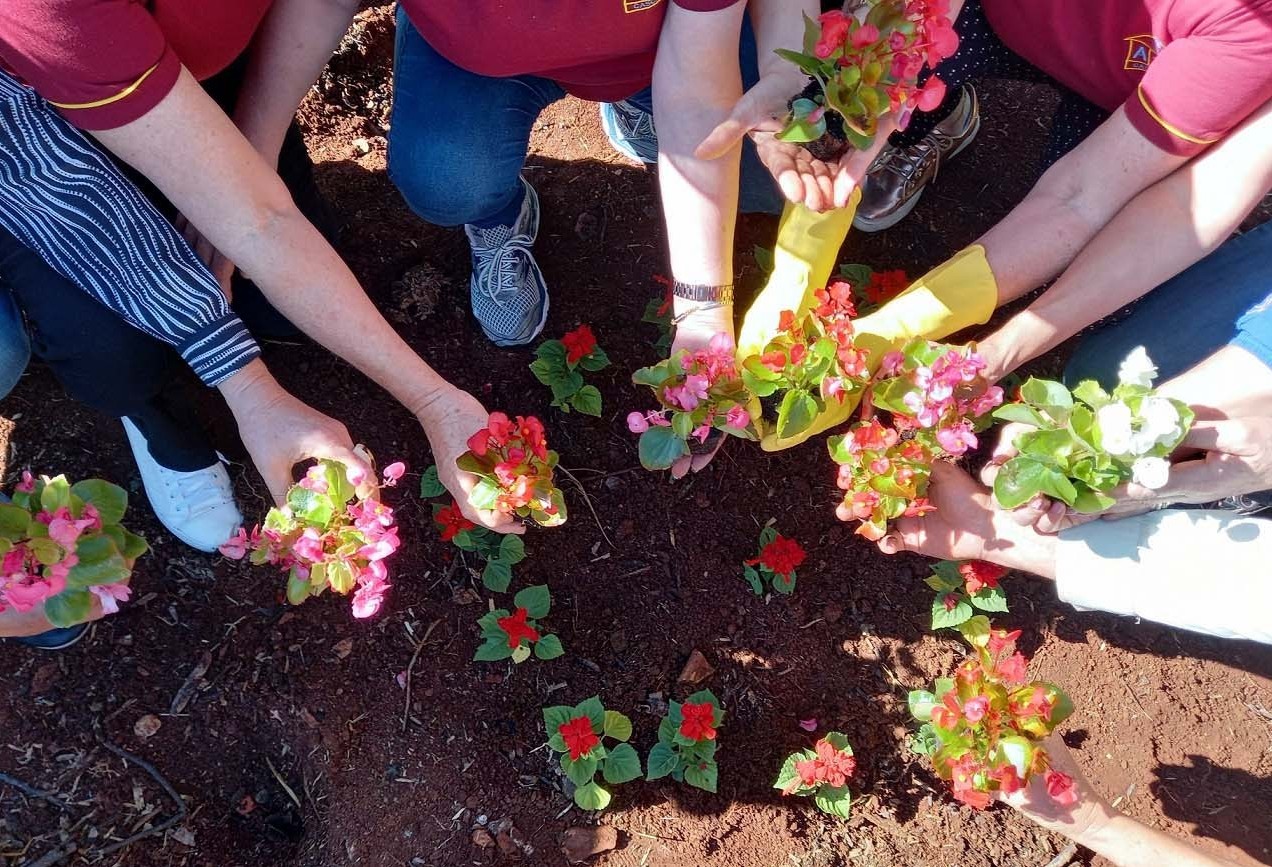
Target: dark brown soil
point(298, 746)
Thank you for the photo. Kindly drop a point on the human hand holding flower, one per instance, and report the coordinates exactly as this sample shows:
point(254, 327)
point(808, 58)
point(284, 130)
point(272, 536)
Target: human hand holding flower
point(1083, 815)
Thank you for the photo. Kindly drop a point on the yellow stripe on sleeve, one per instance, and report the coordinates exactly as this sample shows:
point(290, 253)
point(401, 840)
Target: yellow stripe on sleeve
point(98, 103)
point(1169, 127)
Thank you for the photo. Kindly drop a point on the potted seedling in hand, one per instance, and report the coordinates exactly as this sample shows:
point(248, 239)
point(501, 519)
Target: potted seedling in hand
point(514, 465)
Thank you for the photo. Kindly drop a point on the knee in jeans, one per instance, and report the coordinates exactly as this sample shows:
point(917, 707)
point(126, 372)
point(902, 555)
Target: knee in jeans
point(445, 185)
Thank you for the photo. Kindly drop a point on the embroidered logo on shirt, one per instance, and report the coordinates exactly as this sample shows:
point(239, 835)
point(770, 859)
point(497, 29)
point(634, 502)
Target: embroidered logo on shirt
point(630, 6)
point(1140, 51)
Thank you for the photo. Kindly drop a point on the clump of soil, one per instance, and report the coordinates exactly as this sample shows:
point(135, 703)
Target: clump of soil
point(833, 143)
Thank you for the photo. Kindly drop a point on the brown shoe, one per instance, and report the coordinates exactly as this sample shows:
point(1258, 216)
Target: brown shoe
point(895, 180)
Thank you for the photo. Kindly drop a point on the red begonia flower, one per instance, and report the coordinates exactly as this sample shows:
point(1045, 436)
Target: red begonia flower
point(517, 629)
point(698, 721)
point(578, 736)
point(579, 343)
point(452, 521)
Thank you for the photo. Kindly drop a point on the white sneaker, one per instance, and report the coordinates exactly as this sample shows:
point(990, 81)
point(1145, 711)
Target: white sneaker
point(197, 507)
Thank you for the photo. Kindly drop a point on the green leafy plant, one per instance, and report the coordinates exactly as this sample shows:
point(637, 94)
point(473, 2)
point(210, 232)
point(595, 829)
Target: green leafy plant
point(500, 552)
point(1080, 444)
point(776, 563)
point(557, 364)
point(687, 742)
point(962, 586)
point(63, 544)
point(578, 734)
point(982, 728)
point(516, 634)
point(821, 773)
point(514, 465)
point(658, 312)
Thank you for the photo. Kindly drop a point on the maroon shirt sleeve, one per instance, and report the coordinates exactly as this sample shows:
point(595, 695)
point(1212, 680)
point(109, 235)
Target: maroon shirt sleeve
point(103, 63)
point(1201, 87)
point(705, 5)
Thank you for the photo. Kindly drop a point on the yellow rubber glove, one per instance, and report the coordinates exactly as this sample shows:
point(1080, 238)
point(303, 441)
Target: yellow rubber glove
point(950, 297)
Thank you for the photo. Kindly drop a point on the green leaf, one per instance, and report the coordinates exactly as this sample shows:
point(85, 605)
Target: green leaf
point(990, 599)
point(567, 386)
point(796, 413)
point(598, 360)
point(110, 570)
point(593, 710)
point(660, 447)
point(496, 576)
point(784, 584)
point(310, 505)
point(788, 774)
point(702, 775)
point(921, 703)
point(662, 760)
point(587, 401)
point(14, 522)
point(1022, 478)
point(621, 765)
point(134, 546)
point(617, 726)
point(493, 649)
point(552, 351)
point(430, 484)
point(948, 619)
point(548, 647)
point(799, 128)
point(752, 578)
point(484, 494)
point(833, 801)
point(511, 549)
point(763, 258)
point(1090, 502)
point(580, 770)
point(545, 371)
point(68, 608)
point(55, 493)
point(975, 631)
point(1048, 395)
point(537, 600)
point(803, 61)
point(556, 716)
point(1020, 412)
point(1092, 394)
point(924, 741)
point(591, 797)
point(297, 588)
point(111, 501)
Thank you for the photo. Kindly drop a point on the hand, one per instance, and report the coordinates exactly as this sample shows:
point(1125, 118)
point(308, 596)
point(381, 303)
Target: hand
point(1042, 513)
point(449, 418)
point(21, 624)
point(1074, 821)
point(222, 268)
point(1237, 459)
point(694, 332)
point(280, 431)
point(760, 113)
point(967, 526)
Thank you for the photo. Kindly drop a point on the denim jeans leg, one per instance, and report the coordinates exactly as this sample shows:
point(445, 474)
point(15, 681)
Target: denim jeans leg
point(1188, 317)
point(458, 140)
point(15, 346)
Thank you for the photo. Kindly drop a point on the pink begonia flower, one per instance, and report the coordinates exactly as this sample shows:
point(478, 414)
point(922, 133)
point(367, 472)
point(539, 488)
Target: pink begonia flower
point(25, 595)
point(637, 423)
point(355, 475)
point(696, 385)
point(957, 439)
point(892, 364)
point(65, 530)
point(679, 397)
point(974, 709)
point(833, 386)
point(110, 595)
point(989, 400)
point(808, 725)
point(702, 431)
point(235, 548)
point(393, 472)
point(27, 485)
point(14, 562)
point(315, 480)
point(380, 548)
point(58, 571)
point(737, 417)
point(308, 546)
point(659, 420)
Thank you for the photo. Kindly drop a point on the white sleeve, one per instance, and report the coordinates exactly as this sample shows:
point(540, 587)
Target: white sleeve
point(1206, 571)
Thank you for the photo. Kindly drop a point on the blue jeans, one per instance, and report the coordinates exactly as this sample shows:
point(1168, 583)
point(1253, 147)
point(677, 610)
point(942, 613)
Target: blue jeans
point(458, 140)
point(1224, 299)
point(15, 346)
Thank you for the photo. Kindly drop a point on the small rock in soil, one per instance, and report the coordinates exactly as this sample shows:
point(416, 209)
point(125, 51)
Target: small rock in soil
point(482, 839)
point(45, 676)
point(696, 670)
point(582, 842)
point(146, 726)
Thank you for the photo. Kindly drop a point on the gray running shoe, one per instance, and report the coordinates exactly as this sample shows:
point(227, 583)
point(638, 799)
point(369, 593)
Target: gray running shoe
point(630, 130)
point(896, 179)
point(509, 297)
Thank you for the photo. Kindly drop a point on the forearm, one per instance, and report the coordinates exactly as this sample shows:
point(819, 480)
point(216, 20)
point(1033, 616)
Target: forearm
point(288, 54)
point(1128, 843)
point(1231, 383)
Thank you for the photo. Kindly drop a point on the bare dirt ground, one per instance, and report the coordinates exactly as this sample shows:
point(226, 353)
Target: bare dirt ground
point(288, 733)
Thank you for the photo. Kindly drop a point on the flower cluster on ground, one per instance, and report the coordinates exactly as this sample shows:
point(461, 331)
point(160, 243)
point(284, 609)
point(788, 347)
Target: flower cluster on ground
point(332, 533)
point(870, 288)
point(557, 364)
point(579, 735)
point(516, 634)
point(865, 68)
point(775, 564)
point(821, 773)
point(687, 742)
point(62, 546)
point(1078, 445)
point(962, 588)
point(514, 467)
point(697, 392)
point(982, 728)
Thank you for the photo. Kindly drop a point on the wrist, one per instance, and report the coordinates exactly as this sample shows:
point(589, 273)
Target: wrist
point(1020, 547)
point(1102, 829)
point(250, 386)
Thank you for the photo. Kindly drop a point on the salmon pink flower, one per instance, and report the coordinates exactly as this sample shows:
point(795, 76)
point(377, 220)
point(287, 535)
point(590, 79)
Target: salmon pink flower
point(579, 344)
point(834, 30)
point(1012, 669)
point(978, 575)
point(698, 721)
point(393, 472)
point(110, 595)
point(315, 479)
point(1061, 788)
point(1008, 780)
point(974, 709)
point(235, 548)
point(957, 439)
point(920, 508)
point(865, 35)
point(517, 629)
point(737, 417)
point(579, 737)
point(309, 547)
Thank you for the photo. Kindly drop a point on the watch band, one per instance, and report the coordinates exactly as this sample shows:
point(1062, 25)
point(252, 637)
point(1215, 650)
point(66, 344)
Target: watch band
point(703, 292)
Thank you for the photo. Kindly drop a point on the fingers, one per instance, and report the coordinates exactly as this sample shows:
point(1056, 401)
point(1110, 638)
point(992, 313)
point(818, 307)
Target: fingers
point(1054, 519)
point(1219, 436)
point(278, 480)
point(906, 535)
point(724, 138)
point(487, 518)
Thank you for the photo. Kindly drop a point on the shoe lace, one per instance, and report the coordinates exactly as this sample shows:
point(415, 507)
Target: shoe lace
point(500, 266)
point(195, 493)
point(908, 163)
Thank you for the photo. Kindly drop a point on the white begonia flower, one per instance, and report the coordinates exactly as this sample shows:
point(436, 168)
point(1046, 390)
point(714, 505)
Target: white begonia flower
point(1152, 473)
point(1114, 421)
point(1137, 368)
point(1161, 420)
